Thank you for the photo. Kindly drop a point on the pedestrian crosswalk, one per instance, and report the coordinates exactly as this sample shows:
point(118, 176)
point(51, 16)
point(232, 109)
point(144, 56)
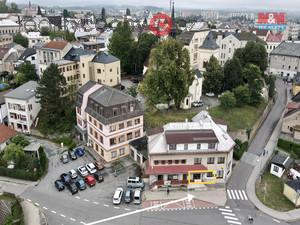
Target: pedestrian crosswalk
point(237, 194)
point(229, 216)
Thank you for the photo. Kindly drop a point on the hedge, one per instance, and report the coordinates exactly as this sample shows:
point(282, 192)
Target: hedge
point(290, 147)
point(19, 174)
point(239, 149)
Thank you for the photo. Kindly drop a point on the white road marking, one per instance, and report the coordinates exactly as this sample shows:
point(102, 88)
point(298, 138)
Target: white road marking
point(29, 200)
point(227, 207)
point(86, 200)
point(62, 215)
point(234, 222)
point(246, 198)
point(232, 193)
point(230, 218)
point(225, 210)
point(228, 192)
point(237, 195)
point(45, 208)
point(72, 219)
point(127, 209)
point(37, 204)
point(53, 211)
point(242, 197)
point(189, 198)
point(106, 205)
point(277, 221)
point(77, 197)
point(97, 203)
point(82, 222)
point(228, 214)
point(116, 207)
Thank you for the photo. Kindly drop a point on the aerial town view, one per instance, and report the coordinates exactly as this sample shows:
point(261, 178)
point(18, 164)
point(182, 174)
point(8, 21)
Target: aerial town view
point(168, 112)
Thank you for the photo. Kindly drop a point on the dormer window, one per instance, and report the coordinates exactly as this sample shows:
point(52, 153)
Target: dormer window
point(172, 147)
point(186, 146)
point(131, 107)
point(212, 146)
point(198, 146)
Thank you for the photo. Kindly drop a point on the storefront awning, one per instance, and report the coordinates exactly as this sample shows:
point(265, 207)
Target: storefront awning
point(176, 169)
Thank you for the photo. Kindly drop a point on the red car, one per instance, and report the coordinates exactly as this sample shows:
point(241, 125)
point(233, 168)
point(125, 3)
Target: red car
point(90, 180)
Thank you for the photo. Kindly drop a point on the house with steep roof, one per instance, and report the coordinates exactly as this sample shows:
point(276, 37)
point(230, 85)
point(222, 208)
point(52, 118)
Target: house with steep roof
point(291, 122)
point(22, 107)
point(6, 133)
point(108, 119)
point(273, 40)
point(190, 153)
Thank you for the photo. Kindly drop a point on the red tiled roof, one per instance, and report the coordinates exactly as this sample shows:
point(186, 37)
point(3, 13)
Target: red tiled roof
point(261, 32)
point(56, 45)
point(6, 133)
point(176, 169)
point(194, 136)
point(293, 105)
point(3, 51)
point(274, 37)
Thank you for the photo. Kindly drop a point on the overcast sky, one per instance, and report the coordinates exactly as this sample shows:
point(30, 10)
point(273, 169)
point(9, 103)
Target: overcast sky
point(261, 4)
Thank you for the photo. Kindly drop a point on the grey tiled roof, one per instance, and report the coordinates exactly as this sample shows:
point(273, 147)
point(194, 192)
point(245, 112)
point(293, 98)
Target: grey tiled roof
point(75, 53)
point(198, 73)
point(295, 184)
point(209, 42)
point(25, 91)
point(86, 87)
point(28, 52)
point(186, 37)
point(281, 159)
point(105, 58)
point(287, 49)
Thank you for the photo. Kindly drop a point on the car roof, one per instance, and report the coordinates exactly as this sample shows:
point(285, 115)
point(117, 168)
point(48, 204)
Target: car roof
point(89, 177)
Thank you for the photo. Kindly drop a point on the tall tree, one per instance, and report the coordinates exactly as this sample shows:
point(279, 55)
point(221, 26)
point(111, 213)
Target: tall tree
point(14, 153)
point(227, 100)
point(53, 103)
point(232, 74)
point(242, 95)
point(21, 40)
point(103, 14)
point(127, 12)
point(121, 44)
point(25, 73)
point(169, 75)
point(213, 77)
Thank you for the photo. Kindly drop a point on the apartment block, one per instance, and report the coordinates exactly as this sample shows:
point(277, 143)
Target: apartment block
point(22, 107)
point(108, 119)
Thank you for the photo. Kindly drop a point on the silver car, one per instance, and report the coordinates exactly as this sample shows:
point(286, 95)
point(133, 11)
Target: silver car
point(82, 171)
point(64, 158)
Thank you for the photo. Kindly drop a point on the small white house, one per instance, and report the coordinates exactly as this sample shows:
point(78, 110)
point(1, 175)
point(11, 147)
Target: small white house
point(280, 162)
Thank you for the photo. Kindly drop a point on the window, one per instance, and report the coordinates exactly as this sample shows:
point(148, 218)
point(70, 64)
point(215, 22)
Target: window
point(198, 146)
point(122, 151)
point(98, 70)
point(102, 152)
point(129, 136)
point(115, 112)
point(96, 135)
point(137, 133)
point(176, 161)
point(209, 174)
point(129, 123)
point(100, 126)
point(220, 173)
point(131, 108)
point(111, 80)
point(82, 65)
point(137, 121)
point(110, 70)
point(112, 141)
point(112, 128)
point(97, 147)
point(221, 160)
point(170, 162)
point(183, 161)
point(210, 160)
point(91, 130)
point(121, 138)
point(275, 168)
point(156, 162)
point(101, 139)
point(211, 146)
point(163, 162)
point(186, 146)
point(197, 161)
point(172, 147)
point(113, 154)
point(121, 126)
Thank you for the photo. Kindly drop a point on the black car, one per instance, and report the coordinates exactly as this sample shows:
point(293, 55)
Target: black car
point(128, 196)
point(72, 155)
point(72, 188)
point(66, 178)
point(98, 176)
point(59, 185)
point(80, 184)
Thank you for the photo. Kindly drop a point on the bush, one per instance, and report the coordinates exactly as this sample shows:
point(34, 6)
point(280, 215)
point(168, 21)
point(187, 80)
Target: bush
point(239, 149)
point(67, 140)
point(20, 140)
point(227, 100)
point(290, 147)
point(19, 174)
point(242, 95)
point(43, 160)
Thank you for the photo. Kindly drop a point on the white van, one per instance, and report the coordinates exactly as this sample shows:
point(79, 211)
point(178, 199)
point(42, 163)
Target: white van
point(137, 197)
point(135, 182)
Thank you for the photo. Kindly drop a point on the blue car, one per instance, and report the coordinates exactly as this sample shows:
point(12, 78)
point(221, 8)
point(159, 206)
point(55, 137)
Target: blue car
point(79, 152)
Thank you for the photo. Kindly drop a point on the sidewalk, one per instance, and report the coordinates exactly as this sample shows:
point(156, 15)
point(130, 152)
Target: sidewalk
point(217, 197)
point(289, 216)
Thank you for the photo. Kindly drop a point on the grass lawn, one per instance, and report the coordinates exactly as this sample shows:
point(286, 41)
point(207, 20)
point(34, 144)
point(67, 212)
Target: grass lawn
point(160, 118)
point(238, 117)
point(270, 192)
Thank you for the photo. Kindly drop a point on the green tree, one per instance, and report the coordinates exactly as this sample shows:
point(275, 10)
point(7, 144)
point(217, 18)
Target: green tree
point(169, 75)
point(227, 100)
point(121, 44)
point(232, 74)
point(21, 40)
point(127, 12)
point(20, 140)
point(103, 14)
point(53, 102)
point(13, 152)
point(271, 82)
point(45, 31)
point(213, 77)
point(242, 95)
point(132, 91)
point(25, 73)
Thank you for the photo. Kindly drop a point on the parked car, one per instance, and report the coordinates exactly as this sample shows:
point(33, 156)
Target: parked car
point(99, 165)
point(66, 178)
point(210, 94)
point(128, 196)
point(72, 155)
point(91, 168)
point(80, 184)
point(82, 171)
point(59, 185)
point(79, 152)
point(72, 188)
point(90, 180)
point(117, 198)
point(73, 174)
point(64, 158)
point(137, 197)
point(135, 182)
point(198, 104)
point(98, 176)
